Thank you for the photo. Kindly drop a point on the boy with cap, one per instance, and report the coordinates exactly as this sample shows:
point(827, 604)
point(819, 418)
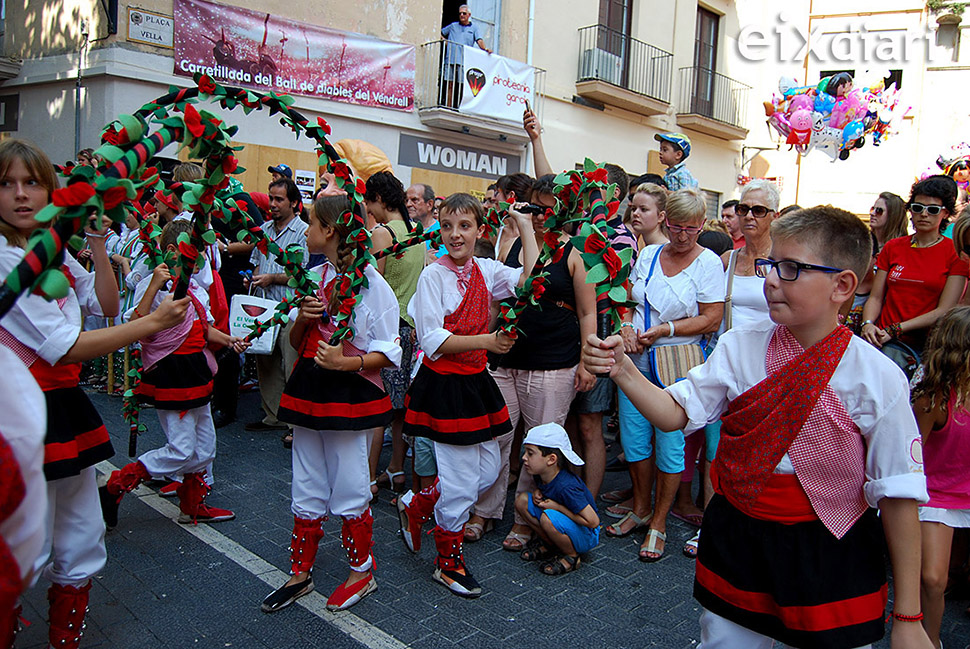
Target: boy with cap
point(674, 150)
point(561, 510)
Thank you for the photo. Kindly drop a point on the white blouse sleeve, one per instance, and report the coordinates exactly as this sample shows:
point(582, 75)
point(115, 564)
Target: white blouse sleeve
point(710, 287)
point(427, 309)
point(500, 279)
point(383, 317)
point(87, 297)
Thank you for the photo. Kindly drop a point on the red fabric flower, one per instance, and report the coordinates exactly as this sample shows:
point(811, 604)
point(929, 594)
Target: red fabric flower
point(206, 84)
point(149, 172)
point(187, 250)
point(322, 123)
point(113, 197)
point(193, 121)
point(347, 306)
point(551, 239)
point(361, 187)
point(594, 243)
point(113, 136)
point(72, 195)
point(229, 164)
point(556, 256)
point(597, 175)
point(340, 170)
point(538, 289)
point(344, 284)
point(613, 262)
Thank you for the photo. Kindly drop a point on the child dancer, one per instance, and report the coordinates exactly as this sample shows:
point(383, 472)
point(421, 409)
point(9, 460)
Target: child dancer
point(334, 399)
point(47, 337)
point(453, 400)
point(177, 380)
point(562, 511)
point(940, 402)
point(816, 430)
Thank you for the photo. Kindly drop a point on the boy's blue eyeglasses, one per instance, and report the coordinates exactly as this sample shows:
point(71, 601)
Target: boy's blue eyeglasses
point(787, 269)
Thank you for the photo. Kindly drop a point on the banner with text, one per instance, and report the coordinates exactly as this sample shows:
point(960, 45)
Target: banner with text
point(495, 86)
point(258, 50)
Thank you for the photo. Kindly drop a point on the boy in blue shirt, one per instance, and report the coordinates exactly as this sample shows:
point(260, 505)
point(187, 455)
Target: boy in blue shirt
point(674, 150)
point(561, 511)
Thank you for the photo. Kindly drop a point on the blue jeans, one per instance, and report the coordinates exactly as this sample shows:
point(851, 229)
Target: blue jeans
point(583, 538)
point(637, 434)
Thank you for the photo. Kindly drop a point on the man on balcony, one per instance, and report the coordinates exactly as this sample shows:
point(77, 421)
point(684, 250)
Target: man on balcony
point(458, 34)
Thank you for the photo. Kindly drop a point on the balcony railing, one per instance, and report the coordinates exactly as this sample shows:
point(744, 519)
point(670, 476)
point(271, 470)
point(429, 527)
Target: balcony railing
point(709, 94)
point(614, 57)
point(437, 85)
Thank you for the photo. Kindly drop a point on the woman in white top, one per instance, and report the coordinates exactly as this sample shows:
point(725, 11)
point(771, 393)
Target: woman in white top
point(679, 290)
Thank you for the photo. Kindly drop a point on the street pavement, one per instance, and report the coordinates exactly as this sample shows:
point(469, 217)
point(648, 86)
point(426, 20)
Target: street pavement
point(180, 586)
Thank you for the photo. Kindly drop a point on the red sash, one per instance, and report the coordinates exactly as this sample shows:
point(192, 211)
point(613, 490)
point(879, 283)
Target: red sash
point(469, 319)
point(761, 424)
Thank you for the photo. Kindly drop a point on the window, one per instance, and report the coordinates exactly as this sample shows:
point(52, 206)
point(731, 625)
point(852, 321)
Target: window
point(706, 33)
point(713, 204)
point(486, 13)
point(895, 76)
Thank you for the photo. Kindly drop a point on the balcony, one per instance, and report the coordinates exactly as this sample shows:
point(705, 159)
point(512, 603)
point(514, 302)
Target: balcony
point(712, 103)
point(621, 71)
point(438, 96)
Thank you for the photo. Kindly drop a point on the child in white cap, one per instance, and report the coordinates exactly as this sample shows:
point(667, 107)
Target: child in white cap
point(561, 510)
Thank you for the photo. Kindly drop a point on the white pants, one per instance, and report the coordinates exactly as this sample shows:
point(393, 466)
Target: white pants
point(73, 550)
point(331, 472)
point(191, 443)
point(491, 504)
point(464, 474)
point(720, 633)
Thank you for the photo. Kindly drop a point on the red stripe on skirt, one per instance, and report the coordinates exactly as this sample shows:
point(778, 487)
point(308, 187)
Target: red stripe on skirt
point(821, 617)
point(457, 425)
point(174, 394)
point(345, 410)
point(56, 452)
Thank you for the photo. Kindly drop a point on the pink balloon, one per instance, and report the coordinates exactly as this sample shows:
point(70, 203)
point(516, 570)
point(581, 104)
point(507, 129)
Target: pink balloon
point(800, 102)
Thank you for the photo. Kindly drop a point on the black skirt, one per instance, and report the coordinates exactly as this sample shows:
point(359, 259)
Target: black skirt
point(177, 382)
point(76, 436)
point(321, 399)
point(796, 583)
point(460, 409)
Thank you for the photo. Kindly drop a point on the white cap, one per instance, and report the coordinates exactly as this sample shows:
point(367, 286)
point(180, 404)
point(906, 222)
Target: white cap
point(553, 436)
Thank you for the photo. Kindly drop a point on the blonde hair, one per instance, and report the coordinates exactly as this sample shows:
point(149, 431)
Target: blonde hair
point(946, 360)
point(656, 192)
point(39, 166)
point(716, 225)
point(328, 210)
point(686, 205)
point(187, 172)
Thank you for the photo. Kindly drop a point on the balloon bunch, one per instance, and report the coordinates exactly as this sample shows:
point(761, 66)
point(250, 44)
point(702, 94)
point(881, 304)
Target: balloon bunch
point(955, 163)
point(832, 117)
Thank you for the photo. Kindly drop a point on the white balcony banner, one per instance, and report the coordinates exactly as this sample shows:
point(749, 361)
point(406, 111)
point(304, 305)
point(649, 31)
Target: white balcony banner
point(494, 86)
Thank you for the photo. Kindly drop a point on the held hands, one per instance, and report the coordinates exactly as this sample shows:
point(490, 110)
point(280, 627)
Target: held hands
point(874, 335)
point(311, 308)
point(631, 342)
point(603, 356)
point(498, 343)
point(238, 345)
point(170, 312)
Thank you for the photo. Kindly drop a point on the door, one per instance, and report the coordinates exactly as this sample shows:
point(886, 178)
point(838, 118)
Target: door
point(705, 62)
point(616, 20)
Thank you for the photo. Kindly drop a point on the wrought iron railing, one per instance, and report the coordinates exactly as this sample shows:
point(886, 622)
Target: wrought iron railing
point(437, 84)
point(608, 55)
point(707, 93)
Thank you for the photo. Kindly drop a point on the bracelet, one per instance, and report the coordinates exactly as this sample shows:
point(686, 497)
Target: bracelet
point(91, 235)
point(361, 368)
point(670, 323)
point(894, 330)
point(865, 322)
point(626, 324)
point(908, 618)
point(137, 313)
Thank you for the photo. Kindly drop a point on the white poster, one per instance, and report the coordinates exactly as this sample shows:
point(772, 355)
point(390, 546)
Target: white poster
point(494, 86)
point(305, 181)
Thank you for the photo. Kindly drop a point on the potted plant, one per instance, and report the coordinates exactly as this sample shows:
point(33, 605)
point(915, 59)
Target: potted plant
point(948, 13)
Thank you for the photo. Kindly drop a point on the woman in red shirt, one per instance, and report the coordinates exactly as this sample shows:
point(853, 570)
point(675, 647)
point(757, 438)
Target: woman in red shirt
point(918, 277)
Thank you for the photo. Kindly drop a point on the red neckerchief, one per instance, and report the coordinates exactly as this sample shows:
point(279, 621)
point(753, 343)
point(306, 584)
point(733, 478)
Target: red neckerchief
point(464, 274)
point(762, 423)
point(471, 316)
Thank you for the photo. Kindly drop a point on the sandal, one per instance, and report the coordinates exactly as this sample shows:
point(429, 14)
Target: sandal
point(649, 552)
point(556, 566)
point(617, 496)
point(388, 480)
point(618, 510)
point(475, 531)
point(690, 519)
point(515, 542)
point(690, 548)
point(535, 550)
point(616, 529)
point(287, 439)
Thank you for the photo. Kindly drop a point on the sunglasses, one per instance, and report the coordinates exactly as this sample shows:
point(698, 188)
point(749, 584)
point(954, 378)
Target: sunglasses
point(758, 211)
point(677, 229)
point(919, 208)
point(787, 269)
point(876, 211)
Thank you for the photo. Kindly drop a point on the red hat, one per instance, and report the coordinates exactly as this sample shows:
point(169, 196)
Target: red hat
point(167, 198)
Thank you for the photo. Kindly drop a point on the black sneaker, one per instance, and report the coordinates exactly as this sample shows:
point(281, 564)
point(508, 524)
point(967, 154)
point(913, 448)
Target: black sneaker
point(109, 505)
point(286, 595)
point(461, 583)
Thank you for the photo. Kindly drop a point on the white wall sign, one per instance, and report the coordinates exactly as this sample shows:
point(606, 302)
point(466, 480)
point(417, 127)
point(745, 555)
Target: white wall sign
point(305, 181)
point(494, 86)
point(150, 28)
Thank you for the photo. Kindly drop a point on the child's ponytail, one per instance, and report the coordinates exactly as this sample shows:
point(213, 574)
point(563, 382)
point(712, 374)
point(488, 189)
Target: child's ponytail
point(329, 211)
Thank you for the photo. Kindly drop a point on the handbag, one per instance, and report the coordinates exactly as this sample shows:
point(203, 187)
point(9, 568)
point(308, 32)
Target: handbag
point(670, 363)
point(244, 310)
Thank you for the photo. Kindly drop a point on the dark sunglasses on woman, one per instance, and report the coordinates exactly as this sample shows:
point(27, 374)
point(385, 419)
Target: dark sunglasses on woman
point(758, 211)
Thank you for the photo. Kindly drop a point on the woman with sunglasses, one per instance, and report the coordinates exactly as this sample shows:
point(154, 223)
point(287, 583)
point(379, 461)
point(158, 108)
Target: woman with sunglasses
point(887, 218)
point(679, 291)
point(918, 277)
